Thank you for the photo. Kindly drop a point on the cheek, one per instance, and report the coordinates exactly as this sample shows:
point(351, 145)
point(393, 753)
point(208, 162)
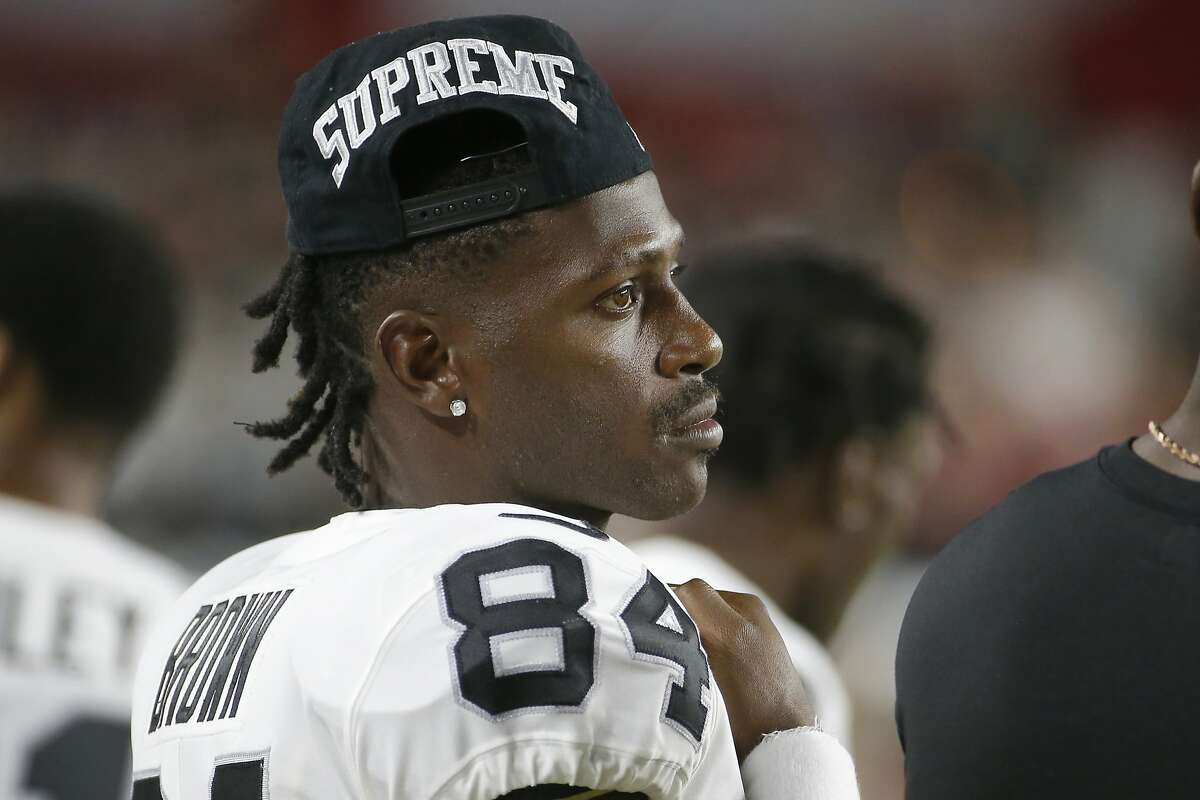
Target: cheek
point(583, 382)
point(610, 368)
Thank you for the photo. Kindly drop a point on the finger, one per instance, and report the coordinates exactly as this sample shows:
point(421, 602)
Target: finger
point(707, 608)
point(697, 588)
point(748, 605)
point(700, 599)
point(693, 584)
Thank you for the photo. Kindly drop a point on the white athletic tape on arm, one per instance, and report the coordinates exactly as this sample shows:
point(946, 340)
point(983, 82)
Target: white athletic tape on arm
point(800, 764)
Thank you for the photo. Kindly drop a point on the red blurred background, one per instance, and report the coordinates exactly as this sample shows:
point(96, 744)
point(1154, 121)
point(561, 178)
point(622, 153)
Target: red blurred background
point(1020, 167)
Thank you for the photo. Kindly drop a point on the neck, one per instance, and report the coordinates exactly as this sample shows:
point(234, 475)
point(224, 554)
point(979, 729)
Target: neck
point(1184, 427)
point(396, 484)
point(56, 477)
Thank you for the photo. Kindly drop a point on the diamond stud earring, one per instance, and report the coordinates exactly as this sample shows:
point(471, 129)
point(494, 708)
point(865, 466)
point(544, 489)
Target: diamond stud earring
point(458, 407)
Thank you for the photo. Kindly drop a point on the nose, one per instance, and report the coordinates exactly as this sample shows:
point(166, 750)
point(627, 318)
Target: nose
point(694, 348)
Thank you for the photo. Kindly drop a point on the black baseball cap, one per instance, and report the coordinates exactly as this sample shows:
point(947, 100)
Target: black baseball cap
point(344, 140)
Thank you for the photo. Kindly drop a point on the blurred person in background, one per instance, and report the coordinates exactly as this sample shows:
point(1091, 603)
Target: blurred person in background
point(1050, 649)
point(831, 437)
point(89, 327)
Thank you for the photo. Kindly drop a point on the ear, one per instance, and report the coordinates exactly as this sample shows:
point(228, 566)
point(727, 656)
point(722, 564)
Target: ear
point(21, 399)
point(1196, 199)
point(423, 364)
point(854, 495)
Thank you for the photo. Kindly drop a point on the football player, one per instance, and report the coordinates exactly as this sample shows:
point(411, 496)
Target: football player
point(89, 320)
point(496, 359)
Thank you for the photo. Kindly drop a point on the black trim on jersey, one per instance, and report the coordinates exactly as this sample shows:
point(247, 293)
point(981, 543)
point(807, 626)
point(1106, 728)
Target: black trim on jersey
point(586, 530)
point(240, 780)
point(148, 788)
point(231, 780)
point(557, 791)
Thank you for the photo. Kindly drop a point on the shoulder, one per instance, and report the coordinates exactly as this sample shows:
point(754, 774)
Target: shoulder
point(1002, 566)
point(51, 544)
point(1051, 489)
point(542, 652)
point(1054, 489)
point(998, 589)
point(430, 535)
point(1028, 519)
point(373, 566)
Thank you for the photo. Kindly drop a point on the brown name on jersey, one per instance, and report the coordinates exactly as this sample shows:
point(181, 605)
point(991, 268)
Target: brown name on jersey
point(200, 682)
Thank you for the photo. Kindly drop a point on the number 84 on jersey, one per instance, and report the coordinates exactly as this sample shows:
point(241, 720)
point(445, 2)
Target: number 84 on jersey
point(526, 646)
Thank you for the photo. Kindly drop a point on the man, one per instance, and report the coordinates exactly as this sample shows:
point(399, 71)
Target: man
point(825, 388)
point(89, 323)
point(1050, 649)
point(498, 359)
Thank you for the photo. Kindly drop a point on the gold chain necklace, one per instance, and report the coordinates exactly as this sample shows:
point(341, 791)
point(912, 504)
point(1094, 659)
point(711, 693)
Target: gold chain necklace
point(1173, 447)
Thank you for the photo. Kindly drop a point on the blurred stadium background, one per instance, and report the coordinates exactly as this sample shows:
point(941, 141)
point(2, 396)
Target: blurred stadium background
point(1020, 167)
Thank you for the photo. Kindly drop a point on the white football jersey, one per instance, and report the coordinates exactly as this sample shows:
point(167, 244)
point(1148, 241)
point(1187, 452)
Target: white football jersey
point(76, 604)
point(452, 652)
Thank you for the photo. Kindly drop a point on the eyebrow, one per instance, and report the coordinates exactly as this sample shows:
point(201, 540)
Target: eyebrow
point(646, 253)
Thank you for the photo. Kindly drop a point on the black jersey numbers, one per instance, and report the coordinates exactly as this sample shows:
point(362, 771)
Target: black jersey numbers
point(660, 630)
point(525, 644)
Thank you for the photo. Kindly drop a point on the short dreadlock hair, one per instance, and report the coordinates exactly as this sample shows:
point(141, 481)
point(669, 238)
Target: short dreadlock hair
point(89, 295)
point(817, 350)
point(321, 298)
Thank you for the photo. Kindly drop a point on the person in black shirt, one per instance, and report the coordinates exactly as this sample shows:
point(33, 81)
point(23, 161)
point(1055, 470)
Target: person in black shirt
point(1053, 648)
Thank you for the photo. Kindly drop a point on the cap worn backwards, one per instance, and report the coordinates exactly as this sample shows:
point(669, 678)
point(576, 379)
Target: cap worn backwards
point(343, 144)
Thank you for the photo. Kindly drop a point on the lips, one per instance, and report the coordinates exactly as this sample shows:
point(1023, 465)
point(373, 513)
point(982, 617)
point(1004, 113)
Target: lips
point(701, 413)
point(696, 430)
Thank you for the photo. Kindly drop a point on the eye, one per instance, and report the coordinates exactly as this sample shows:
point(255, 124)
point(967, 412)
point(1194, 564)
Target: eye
point(620, 300)
point(679, 270)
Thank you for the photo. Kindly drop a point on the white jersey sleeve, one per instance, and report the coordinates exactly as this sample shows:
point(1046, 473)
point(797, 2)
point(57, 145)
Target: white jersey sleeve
point(456, 652)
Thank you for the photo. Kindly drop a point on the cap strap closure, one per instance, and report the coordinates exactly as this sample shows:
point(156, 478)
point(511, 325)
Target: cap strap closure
point(470, 205)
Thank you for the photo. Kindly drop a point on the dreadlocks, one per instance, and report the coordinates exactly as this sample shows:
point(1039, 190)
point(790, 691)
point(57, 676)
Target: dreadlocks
point(320, 298)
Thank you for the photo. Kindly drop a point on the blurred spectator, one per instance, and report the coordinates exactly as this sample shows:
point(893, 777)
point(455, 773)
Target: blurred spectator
point(89, 327)
point(830, 438)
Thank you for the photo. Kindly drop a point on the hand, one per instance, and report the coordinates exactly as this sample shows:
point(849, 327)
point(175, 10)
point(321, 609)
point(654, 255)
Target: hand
point(763, 692)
